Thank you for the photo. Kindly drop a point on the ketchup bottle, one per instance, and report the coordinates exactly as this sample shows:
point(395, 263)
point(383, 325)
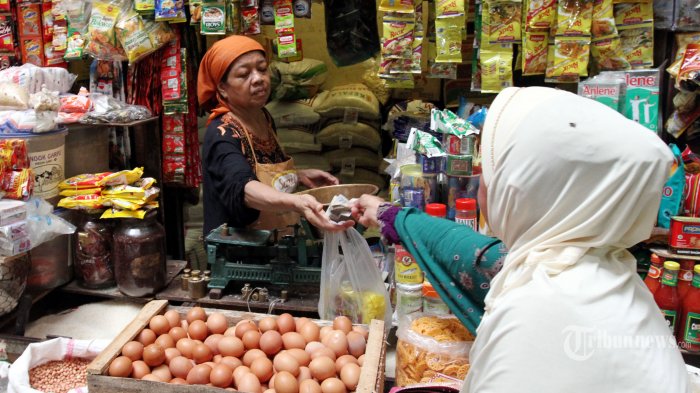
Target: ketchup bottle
point(652, 278)
point(685, 277)
point(689, 329)
point(666, 297)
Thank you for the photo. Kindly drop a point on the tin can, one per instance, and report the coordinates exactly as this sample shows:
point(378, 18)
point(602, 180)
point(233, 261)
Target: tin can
point(459, 187)
point(684, 237)
point(459, 165)
point(406, 269)
point(455, 145)
point(409, 299)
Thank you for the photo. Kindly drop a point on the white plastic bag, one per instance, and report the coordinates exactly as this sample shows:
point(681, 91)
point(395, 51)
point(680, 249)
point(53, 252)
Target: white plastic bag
point(42, 224)
point(37, 354)
point(351, 283)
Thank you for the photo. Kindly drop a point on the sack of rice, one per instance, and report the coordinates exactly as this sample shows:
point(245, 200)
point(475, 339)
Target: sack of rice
point(356, 97)
point(355, 157)
point(347, 135)
point(297, 80)
point(311, 161)
point(297, 140)
point(293, 113)
point(363, 176)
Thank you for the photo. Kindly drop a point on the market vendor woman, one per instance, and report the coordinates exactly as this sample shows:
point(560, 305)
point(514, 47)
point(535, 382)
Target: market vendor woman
point(248, 179)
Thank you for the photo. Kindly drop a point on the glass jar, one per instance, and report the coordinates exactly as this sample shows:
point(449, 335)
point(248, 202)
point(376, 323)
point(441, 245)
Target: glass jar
point(92, 262)
point(432, 304)
point(139, 256)
point(409, 299)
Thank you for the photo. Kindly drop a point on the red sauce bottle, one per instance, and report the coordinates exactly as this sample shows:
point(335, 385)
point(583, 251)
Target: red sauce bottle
point(652, 279)
point(685, 277)
point(689, 329)
point(667, 297)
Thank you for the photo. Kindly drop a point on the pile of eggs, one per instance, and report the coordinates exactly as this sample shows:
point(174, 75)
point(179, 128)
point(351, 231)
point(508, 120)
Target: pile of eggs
point(276, 355)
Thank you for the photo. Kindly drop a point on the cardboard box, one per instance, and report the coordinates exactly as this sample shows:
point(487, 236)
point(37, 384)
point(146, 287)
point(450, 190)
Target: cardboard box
point(684, 235)
point(32, 51)
point(29, 20)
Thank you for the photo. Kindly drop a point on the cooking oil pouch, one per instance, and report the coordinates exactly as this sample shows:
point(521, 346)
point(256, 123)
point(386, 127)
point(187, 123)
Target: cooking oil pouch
point(82, 202)
point(425, 144)
point(534, 53)
point(80, 191)
point(121, 177)
point(603, 25)
point(449, 39)
point(449, 8)
point(571, 55)
point(610, 93)
point(87, 180)
point(402, 6)
point(638, 46)
point(682, 41)
point(501, 20)
point(541, 14)
point(633, 14)
point(213, 19)
point(117, 213)
point(607, 54)
point(672, 197)
point(496, 68)
point(574, 18)
point(397, 38)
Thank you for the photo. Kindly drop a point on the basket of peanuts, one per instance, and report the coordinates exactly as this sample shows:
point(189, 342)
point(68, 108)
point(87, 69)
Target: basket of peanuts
point(431, 349)
point(58, 365)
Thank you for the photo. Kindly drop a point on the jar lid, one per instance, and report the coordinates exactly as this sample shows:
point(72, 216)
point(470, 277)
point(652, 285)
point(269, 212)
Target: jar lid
point(436, 209)
point(466, 204)
point(429, 291)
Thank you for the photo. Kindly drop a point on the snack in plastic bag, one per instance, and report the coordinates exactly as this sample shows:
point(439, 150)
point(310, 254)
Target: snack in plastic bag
point(689, 76)
point(75, 45)
point(638, 46)
point(397, 39)
point(82, 202)
point(45, 100)
point(574, 17)
point(351, 283)
point(101, 27)
point(603, 25)
point(449, 39)
point(170, 11)
point(534, 57)
point(18, 184)
point(42, 225)
point(633, 14)
point(121, 177)
point(13, 96)
point(84, 181)
point(541, 14)
point(13, 154)
point(79, 103)
point(133, 37)
point(502, 22)
point(608, 55)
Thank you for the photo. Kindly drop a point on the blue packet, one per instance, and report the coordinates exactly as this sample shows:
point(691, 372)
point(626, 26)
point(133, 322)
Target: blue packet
point(478, 118)
point(672, 197)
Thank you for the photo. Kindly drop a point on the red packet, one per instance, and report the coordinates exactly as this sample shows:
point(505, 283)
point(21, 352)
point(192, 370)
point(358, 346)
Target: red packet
point(7, 42)
point(32, 51)
point(29, 20)
point(47, 21)
point(174, 124)
point(5, 6)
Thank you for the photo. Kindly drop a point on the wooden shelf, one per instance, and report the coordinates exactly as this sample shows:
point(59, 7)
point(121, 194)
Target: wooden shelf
point(665, 253)
point(131, 124)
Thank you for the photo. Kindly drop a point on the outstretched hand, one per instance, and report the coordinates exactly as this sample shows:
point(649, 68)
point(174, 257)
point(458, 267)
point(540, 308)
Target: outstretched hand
point(365, 210)
point(314, 178)
point(312, 210)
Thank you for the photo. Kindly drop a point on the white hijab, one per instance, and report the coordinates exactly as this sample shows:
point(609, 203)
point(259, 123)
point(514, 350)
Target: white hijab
point(566, 175)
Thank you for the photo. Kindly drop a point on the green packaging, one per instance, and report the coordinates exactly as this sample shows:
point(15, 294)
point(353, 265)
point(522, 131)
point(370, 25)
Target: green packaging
point(213, 19)
point(424, 143)
point(641, 103)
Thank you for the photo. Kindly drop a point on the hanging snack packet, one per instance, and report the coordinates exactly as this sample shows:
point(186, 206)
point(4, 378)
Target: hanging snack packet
point(608, 92)
point(534, 53)
point(170, 11)
point(608, 55)
point(145, 6)
point(633, 14)
point(101, 27)
point(286, 46)
point(574, 18)
point(159, 33)
point(18, 184)
point(133, 37)
point(603, 25)
point(449, 39)
point(449, 8)
point(682, 41)
point(571, 55)
point(638, 46)
point(424, 143)
point(121, 177)
point(213, 19)
point(397, 38)
point(502, 22)
point(401, 6)
point(400, 82)
point(496, 68)
point(82, 202)
point(541, 14)
point(689, 76)
point(251, 21)
point(195, 12)
point(75, 44)
point(284, 17)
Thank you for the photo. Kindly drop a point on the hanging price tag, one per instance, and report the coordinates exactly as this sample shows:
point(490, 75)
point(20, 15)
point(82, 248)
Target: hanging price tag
point(348, 166)
point(350, 116)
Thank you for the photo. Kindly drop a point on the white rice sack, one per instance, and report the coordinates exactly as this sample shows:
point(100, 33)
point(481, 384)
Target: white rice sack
point(292, 113)
point(347, 135)
point(295, 140)
point(311, 161)
point(354, 97)
point(307, 72)
point(13, 96)
point(32, 78)
point(355, 157)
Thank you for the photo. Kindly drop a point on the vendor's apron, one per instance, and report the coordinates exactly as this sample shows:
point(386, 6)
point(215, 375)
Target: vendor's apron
point(282, 177)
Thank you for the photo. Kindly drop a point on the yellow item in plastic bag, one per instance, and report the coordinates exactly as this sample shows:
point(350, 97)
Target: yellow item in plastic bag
point(133, 37)
point(496, 68)
point(638, 46)
point(571, 55)
point(448, 8)
point(534, 53)
point(633, 14)
point(145, 183)
point(86, 180)
point(79, 191)
point(121, 177)
point(574, 18)
point(502, 22)
point(402, 6)
point(124, 204)
point(397, 36)
point(682, 41)
point(115, 213)
point(541, 14)
point(608, 55)
point(449, 39)
point(82, 202)
point(603, 25)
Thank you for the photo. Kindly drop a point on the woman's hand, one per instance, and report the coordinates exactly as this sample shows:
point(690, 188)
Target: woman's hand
point(314, 178)
point(312, 210)
point(365, 210)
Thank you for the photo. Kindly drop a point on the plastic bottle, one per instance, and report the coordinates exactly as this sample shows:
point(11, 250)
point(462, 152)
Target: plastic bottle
point(436, 210)
point(432, 304)
point(667, 297)
point(652, 279)
point(689, 329)
point(465, 213)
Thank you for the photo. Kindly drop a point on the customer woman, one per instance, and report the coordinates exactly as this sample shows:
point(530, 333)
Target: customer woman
point(568, 312)
point(248, 179)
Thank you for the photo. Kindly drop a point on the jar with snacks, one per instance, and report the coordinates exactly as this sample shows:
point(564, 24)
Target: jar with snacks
point(409, 299)
point(139, 256)
point(432, 304)
point(93, 251)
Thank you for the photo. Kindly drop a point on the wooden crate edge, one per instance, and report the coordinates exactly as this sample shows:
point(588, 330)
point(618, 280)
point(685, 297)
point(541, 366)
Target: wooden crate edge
point(372, 373)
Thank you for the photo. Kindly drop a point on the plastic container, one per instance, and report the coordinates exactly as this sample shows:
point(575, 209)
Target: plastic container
point(93, 251)
point(432, 304)
point(409, 299)
point(139, 256)
point(52, 261)
point(436, 210)
point(465, 213)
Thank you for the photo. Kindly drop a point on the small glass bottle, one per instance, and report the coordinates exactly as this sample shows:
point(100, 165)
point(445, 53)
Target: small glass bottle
point(93, 262)
point(666, 297)
point(436, 210)
point(139, 256)
point(432, 304)
point(652, 280)
point(465, 213)
point(409, 299)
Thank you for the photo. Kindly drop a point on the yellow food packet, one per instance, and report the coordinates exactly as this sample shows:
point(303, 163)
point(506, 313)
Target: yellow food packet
point(571, 55)
point(82, 202)
point(501, 22)
point(397, 36)
point(574, 18)
point(402, 6)
point(541, 14)
point(496, 68)
point(123, 204)
point(682, 41)
point(449, 39)
point(116, 213)
point(638, 46)
point(84, 191)
point(633, 14)
point(131, 193)
point(400, 82)
point(121, 177)
point(534, 53)
point(603, 25)
point(133, 37)
point(607, 54)
point(145, 183)
point(448, 8)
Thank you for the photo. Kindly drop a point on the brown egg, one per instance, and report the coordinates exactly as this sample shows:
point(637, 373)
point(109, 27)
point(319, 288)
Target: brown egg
point(333, 385)
point(151, 377)
point(173, 318)
point(153, 355)
point(244, 326)
point(267, 324)
point(301, 356)
point(120, 367)
point(362, 331)
point(213, 342)
point(185, 346)
point(251, 339)
point(293, 340)
point(356, 344)
point(163, 373)
point(313, 346)
point(309, 386)
point(239, 372)
point(271, 382)
point(202, 354)
point(178, 381)
point(271, 342)
point(327, 352)
point(262, 368)
point(221, 376)
point(286, 362)
point(140, 368)
point(310, 331)
point(361, 360)
point(286, 323)
point(337, 341)
point(217, 358)
point(269, 391)
point(177, 333)
point(146, 337)
point(249, 383)
point(343, 324)
point(322, 367)
point(198, 330)
point(170, 354)
point(286, 383)
point(304, 374)
point(324, 331)
point(184, 324)
point(231, 331)
point(180, 367)
point(231, 362)
point(299, 322)
point(199, 375)
point(342, 361)
point(159, 324)
point(196, 313)
point(350, 375)
point(217, 323)
point(231, 346)
point(251, 355)
point(133, 350)
point(165, 341)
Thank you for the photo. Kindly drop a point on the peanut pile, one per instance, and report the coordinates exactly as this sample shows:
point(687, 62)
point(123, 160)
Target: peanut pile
point(59, 376)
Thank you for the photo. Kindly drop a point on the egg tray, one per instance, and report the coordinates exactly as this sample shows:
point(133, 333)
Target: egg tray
point(371, 373)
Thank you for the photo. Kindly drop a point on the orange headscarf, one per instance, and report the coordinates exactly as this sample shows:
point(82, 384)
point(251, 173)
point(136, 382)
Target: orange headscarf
point(214, 65)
